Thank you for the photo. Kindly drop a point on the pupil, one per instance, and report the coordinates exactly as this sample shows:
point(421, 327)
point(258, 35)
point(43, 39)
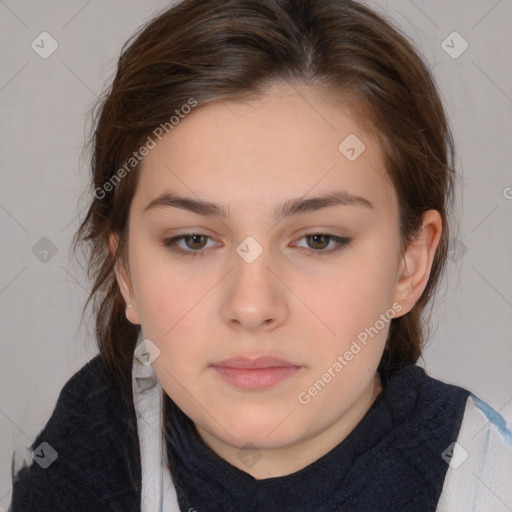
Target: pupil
point(195, 238)
point(315, 238)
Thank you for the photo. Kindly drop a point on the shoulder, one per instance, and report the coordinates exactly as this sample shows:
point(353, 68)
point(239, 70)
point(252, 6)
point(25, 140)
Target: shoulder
point(87, 454)
point(480, 462)
point(89, 404)
point(422, 416)
point(424, 402)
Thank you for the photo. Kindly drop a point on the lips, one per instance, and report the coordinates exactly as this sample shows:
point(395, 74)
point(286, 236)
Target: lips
point(253, 362)
point(255, 373)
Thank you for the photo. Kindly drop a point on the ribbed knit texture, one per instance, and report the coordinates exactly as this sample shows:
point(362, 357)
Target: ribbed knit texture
point(95, 437)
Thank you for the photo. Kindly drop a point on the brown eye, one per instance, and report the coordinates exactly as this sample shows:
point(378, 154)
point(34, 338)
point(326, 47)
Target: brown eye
point(194, 244)
point(317, 243)
point(195, 241)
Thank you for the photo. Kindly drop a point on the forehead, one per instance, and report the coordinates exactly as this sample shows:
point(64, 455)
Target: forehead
point(288, 143)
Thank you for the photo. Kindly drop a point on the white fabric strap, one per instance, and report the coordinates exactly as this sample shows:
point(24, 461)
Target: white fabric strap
point(479, 478)
point(158, 493)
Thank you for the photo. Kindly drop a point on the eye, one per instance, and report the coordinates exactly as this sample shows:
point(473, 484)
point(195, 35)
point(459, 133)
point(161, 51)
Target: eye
point(195, 243)
point(322, 240)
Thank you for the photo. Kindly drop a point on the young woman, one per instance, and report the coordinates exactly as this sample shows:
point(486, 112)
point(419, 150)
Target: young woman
point(271, 184)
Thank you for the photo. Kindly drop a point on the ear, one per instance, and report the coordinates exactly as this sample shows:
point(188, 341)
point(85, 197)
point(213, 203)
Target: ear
point(416, 263)
point(124, 283)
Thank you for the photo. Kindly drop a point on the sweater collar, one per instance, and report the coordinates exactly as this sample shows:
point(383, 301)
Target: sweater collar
point(402, 410)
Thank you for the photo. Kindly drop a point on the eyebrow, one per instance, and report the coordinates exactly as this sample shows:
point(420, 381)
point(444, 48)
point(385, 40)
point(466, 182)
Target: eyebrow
point(291, 207)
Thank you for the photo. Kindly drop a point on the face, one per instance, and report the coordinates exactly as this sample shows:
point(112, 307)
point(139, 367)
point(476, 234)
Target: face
point(270, 272)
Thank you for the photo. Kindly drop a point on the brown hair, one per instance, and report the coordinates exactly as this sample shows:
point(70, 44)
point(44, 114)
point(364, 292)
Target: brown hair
point(210, 49)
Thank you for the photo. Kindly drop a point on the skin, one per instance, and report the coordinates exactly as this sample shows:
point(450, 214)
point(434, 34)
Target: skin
point(291, 302)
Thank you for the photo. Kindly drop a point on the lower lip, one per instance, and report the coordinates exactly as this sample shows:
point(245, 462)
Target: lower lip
point(256, 378)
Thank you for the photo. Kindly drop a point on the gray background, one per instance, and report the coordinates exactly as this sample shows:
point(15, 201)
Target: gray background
point(44, 104)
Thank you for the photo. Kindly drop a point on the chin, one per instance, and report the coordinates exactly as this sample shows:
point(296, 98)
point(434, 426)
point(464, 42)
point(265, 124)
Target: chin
point(265, 435)
point(254, 439)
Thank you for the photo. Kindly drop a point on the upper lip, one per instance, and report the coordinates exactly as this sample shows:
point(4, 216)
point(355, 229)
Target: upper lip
point(253, 362)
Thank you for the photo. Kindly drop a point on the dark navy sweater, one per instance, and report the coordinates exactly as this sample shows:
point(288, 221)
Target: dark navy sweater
point(390, 462)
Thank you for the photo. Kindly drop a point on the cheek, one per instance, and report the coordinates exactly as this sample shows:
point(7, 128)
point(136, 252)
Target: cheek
point(351, 297)
point(175, 313)
point(165, 295)
point(171, 309)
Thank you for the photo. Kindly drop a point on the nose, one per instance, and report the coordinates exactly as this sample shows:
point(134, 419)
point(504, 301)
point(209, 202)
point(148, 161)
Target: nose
point(256, 298)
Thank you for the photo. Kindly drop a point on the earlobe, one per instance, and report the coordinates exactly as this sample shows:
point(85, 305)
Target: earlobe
point(416, 263)
point(124, 283)
point(112, 243)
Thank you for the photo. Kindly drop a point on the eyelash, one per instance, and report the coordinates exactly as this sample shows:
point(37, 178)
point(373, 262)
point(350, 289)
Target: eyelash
point(170, 243)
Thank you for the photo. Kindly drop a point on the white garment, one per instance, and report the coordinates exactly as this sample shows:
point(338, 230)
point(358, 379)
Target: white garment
point(479, 478)
point(483, 480)
point(158, 492)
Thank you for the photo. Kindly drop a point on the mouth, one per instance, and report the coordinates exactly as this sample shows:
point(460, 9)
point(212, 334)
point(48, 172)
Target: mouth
point(255, 373)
